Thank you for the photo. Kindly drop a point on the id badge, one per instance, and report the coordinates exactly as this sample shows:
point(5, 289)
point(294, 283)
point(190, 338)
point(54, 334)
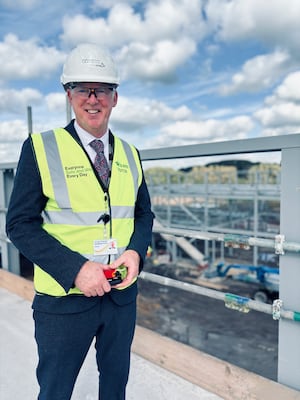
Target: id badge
point(105, 247)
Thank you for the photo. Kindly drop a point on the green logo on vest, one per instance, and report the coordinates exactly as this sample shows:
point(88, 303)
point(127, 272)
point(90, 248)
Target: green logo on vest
point(122, 167)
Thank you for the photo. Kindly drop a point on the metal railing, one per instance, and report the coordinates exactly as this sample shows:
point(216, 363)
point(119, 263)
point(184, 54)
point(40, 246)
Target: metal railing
point(289, 146)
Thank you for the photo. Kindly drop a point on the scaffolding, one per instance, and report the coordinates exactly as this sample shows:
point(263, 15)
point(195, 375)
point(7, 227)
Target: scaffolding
point(213, 223)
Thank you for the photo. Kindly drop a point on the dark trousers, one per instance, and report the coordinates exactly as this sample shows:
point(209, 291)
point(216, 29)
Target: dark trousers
point(63, 341)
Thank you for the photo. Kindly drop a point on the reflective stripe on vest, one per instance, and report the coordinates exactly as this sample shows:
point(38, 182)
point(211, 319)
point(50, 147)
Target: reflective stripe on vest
point(54, 162)
point(76, 199)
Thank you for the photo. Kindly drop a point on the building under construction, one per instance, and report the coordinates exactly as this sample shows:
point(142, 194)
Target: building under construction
point(203, 219)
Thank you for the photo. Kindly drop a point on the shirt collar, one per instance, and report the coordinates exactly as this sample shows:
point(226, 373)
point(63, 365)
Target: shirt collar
point(86, 137)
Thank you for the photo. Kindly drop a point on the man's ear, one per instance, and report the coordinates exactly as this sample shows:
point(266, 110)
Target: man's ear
point(69, 95)
point(115, 100)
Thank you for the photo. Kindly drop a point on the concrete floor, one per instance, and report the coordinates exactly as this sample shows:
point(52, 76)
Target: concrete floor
point(18, 359)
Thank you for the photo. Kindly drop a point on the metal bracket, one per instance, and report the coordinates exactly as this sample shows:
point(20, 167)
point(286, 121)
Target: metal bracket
point(237, 241)
point(279, 240)
point(276, 308)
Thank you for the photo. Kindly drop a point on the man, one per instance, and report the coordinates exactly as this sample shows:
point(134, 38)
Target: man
point(78, 222)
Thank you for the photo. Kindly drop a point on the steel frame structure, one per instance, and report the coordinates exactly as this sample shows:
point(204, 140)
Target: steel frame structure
point(289, 293)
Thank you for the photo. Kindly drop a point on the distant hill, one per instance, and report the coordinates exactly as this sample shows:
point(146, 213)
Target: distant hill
point(240, 165)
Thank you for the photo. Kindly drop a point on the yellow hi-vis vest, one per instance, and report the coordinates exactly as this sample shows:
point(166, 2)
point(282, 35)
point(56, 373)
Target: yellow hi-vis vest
point(76, 200)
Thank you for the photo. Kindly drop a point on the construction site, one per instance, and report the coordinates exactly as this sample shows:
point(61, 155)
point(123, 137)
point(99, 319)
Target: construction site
point(219, 276)
point(224, 200)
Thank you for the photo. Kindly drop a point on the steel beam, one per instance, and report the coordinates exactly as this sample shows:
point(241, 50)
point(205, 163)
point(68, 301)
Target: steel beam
point(289, 331)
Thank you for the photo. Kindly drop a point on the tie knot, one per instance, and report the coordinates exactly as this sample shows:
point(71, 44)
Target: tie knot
point(97, 145)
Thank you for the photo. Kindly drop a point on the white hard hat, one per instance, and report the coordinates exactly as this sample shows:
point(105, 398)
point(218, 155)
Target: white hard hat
point(89, 63)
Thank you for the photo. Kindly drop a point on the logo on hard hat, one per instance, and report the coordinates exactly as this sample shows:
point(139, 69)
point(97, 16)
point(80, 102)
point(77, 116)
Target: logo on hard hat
point(93, 61)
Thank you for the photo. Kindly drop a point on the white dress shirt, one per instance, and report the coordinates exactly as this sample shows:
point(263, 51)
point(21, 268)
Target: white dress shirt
point(86, 138)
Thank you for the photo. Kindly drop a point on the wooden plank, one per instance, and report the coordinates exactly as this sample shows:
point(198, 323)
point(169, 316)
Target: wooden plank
point(16, 284)
point(216, 376)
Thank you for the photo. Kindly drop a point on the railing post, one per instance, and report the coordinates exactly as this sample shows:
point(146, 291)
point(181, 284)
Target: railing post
point(9, 254)
point(289, 330)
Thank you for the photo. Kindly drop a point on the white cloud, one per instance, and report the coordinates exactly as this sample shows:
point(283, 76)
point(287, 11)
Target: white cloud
point(280, 130)
point(139, 114)
point(25, 59)
point(160, 20)
point(245, 20)
point(290, 88)
point(258, 73)
point(189, 132)
point(13, 131)
point(150, 44)
point(155, 41)
point(281, 113)
point(274, 23)
point(284, 114)
point(156, 62)
point(10, 153)
point(174, 19)
point(56, 102)
point(80, 28)
point(16, 101)
point(12, 135)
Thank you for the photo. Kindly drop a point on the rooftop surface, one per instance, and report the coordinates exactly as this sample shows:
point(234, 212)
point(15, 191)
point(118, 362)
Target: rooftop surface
point(18, 359)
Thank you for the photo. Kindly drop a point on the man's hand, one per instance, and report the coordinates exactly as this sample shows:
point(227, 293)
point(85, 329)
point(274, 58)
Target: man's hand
point(91, 279)
point(131, 260)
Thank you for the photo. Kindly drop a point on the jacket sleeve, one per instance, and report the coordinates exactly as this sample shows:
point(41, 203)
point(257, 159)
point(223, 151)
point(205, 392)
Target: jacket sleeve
point(24, 224)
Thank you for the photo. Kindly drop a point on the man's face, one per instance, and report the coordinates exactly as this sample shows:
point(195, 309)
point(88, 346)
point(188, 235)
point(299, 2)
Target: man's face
point(93, 107)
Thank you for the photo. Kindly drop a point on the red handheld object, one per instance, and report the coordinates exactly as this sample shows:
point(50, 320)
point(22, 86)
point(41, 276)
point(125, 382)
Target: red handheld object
point(113, 276)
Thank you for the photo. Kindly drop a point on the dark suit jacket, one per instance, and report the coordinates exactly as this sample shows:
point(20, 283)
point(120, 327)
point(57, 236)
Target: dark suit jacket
point(24, 228)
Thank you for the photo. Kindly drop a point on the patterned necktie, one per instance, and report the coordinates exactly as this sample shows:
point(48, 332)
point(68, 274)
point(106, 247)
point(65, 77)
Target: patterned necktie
point(100, 162)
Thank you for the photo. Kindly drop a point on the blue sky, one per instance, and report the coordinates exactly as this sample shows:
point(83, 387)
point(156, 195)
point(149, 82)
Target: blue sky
point(192, 71)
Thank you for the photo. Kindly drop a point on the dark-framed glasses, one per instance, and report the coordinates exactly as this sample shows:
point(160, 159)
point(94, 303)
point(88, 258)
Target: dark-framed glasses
point(100, 92)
